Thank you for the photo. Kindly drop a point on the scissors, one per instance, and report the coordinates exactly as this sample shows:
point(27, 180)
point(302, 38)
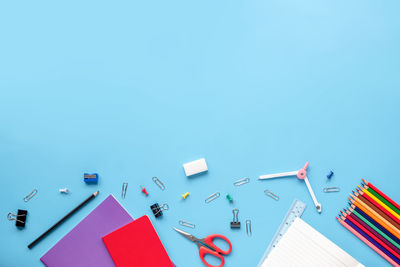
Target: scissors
point(206, 246)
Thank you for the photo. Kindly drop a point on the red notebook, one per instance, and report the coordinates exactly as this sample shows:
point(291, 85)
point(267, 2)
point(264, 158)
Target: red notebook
point(137, 244)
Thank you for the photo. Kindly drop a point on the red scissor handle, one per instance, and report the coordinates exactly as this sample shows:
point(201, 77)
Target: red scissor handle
point(217, 253)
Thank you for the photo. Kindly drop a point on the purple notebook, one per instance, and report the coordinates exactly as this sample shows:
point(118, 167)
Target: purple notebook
point(83, 245)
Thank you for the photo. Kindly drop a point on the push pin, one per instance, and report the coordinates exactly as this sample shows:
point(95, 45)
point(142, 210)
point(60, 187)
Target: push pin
point(329, 175)
point(144, 191)
point(235, 223)
point(230, 199)
point(185, 195)
point(157, 210)
point(63, 190)
point(19, 218)
point(91, 178)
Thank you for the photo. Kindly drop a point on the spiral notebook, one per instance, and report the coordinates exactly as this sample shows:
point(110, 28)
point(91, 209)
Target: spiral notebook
point(302, 245)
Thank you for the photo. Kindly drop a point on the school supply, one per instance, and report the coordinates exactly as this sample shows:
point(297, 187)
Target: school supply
point(235, 222)
point(19, 218)
point(375, 219)
point(63, 190)
point(302, 175)
point(212, 197)
point(241, 181)
point(195, 167)
point(90, 178)
point(187, 224)
point(30, 195)
point(184, 196)
point(248, 227)
point(31, 245)
point(303, 246)
point(229, 198)
point(295, 211)
point(144, 191)
point(206, 246)
point(124, 189)
point(331, 189)
point(158, 183)
point(158, 210)
point(271, 195)
point(83, 245)
point(136, 244)
point(329, 175)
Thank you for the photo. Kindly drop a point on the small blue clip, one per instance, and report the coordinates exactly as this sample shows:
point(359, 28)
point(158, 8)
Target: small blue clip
point(330, 174)
point(90, 177)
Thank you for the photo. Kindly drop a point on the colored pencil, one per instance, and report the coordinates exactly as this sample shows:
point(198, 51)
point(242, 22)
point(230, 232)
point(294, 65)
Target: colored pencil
point(378, 238)
point(372, 241)
point(376, 217)
point(384, 198)
point(382, 206)
point(377, 210)
point(367, 242)
point(31, 245)
point(379, 228)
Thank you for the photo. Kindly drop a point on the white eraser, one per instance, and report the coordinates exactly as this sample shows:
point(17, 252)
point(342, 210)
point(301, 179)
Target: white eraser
point(195, 167)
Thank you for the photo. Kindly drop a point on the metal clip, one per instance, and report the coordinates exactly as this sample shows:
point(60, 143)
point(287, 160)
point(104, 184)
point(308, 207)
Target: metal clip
point(212, 197)
point(242, 181)
point(248, 227)
point(235, 222)
point(187, 224)
point(158, 183)
point(124, 188)
point(331, 189)
point(14, 217)
point(271, 195)
point(30, 195)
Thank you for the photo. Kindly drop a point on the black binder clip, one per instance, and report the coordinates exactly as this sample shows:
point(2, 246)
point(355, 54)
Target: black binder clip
point(157, 210)
point(19, 218)
point(235, 223)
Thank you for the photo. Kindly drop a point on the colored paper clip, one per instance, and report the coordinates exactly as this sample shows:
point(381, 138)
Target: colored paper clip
point(271, 195)
point(235, 222)
point(331, 189)
point(187, 224)
point(248, 227)
point(124, 188)
point(19, 218)
point(158, 183)
point(242, 181)
point(30, 195)
point(212, 197)
point(157, 210)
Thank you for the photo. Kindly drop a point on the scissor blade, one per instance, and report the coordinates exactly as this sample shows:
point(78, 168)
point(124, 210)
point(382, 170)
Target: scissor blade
point(277, 175)
point(187, 235)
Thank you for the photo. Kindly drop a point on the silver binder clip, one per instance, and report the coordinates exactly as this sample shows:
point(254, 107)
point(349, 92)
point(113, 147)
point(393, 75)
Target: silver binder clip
point(30, 195)
point(212, 197)
point(271, 195)
point(158, 183)
point(242, 181)
point(124, 188)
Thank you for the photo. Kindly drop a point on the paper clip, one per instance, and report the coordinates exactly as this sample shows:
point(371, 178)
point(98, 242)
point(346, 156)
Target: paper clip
point(187, 224)
point(331, 189)
point(242, 181)
point(19, 218)
point(271, 195)
point(212, 197)
point(248, 227)
point(158, 183)
point(124, 188)
point(30, 195)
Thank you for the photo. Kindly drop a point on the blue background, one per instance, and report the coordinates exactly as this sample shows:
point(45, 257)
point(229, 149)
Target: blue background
point(133, 90)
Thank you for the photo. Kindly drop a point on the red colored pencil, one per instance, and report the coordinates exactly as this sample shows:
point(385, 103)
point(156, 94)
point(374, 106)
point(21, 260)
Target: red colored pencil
point(382, 194)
